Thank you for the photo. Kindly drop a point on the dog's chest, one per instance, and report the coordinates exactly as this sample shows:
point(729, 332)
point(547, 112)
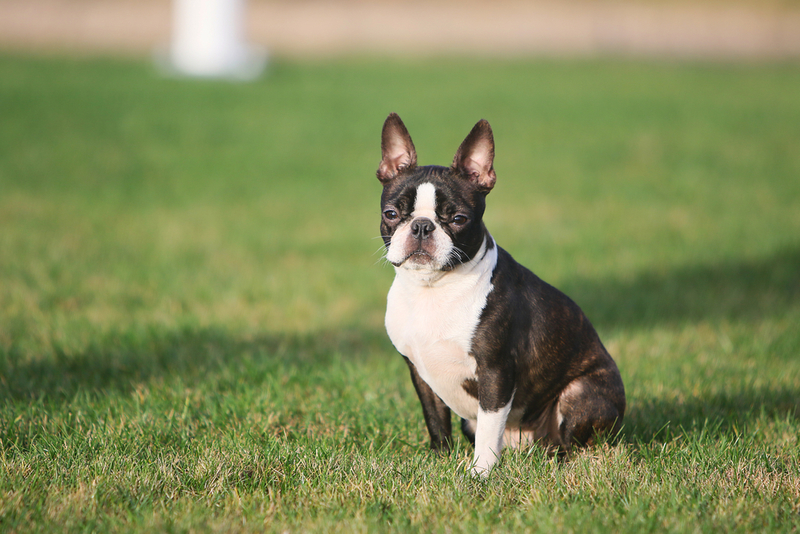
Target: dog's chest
point(434, 326)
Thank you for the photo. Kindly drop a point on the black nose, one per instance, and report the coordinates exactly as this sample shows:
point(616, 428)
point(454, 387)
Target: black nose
point(422, 228)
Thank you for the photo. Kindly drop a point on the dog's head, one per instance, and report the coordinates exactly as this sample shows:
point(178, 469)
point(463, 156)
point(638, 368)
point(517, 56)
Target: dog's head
point(432, 216)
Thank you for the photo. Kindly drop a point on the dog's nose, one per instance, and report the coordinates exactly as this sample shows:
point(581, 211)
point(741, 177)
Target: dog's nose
point(422, 228)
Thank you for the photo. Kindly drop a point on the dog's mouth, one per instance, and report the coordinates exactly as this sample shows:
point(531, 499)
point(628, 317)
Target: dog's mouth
point(418, 257)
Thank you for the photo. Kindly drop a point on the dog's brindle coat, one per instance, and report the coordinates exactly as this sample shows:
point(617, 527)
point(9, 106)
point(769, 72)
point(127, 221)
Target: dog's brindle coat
point(533, 365)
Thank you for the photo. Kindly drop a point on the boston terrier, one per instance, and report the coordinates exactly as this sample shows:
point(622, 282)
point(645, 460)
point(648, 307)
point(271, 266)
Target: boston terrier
point(483, 336)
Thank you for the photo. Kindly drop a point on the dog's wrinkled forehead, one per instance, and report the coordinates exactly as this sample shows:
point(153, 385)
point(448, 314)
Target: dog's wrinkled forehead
point(430, 188)
point(403, 193)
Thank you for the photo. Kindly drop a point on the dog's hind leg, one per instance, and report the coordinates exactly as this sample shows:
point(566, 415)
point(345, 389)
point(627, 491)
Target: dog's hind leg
point(587, 408)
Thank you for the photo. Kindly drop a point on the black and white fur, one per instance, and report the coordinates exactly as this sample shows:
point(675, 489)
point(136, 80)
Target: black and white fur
point(483, 336)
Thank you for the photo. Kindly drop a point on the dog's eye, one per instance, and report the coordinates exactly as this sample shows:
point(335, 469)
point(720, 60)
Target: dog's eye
point(460, 220)
point(390, 214)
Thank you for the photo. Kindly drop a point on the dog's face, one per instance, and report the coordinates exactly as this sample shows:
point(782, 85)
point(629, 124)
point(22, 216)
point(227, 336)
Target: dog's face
point(432, 216)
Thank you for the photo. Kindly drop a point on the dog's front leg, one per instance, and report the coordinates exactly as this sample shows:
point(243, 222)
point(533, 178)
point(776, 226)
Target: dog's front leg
point(496, 397)
point(436, 412)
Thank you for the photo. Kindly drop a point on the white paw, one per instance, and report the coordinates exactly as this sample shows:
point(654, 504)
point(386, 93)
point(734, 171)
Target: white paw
point(479, 472)
point(482, 464)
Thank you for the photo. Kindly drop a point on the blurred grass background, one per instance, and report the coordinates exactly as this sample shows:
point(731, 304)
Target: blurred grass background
point(192, 292)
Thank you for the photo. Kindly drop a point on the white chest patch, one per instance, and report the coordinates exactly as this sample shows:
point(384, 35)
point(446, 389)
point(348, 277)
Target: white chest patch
point(431, 321)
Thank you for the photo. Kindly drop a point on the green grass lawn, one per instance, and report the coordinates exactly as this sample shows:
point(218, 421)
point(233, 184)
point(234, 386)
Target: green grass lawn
point(191, 294)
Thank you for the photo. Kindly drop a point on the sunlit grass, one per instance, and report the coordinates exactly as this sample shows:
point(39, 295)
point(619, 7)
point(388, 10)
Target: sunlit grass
point(191, 294)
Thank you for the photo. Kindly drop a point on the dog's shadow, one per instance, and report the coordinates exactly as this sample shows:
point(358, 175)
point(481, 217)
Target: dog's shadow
point(656, 419)
point(735, 290)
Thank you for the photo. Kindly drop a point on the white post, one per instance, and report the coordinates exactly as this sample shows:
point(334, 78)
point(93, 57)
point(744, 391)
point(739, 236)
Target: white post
point(208, 40)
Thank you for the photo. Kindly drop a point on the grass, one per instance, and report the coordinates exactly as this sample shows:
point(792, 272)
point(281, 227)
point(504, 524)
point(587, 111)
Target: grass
point(191, 300)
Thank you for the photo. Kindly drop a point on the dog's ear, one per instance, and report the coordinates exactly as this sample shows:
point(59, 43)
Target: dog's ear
point(397, 149)
point(475, 156)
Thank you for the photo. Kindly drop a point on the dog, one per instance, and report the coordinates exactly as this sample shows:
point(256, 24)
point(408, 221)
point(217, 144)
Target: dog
point(482, 335)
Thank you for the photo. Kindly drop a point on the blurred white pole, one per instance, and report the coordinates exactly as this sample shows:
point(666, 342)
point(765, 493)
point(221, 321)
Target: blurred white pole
point(208, 40)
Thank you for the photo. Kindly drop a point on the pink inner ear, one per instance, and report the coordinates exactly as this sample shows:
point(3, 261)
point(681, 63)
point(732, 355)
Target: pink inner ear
point(398, 154)
point(475, 167)
point(475, 156)
point(478, 165)
point(396, 158)
point(481, 155)
point(397, 149)
point(393, 164)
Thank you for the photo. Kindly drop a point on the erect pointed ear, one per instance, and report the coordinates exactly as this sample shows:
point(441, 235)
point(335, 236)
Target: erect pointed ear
point(475, 156)
point(397, 148)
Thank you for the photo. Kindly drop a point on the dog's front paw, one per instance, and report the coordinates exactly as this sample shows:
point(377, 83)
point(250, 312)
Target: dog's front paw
point(479, 471)
point(481, 465)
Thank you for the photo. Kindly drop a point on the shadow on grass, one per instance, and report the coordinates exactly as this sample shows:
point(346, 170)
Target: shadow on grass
point(658, 419)
point(747, 290)
point(122, 361)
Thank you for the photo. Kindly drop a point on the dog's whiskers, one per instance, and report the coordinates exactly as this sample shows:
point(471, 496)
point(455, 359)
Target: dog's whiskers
point(380, 249)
